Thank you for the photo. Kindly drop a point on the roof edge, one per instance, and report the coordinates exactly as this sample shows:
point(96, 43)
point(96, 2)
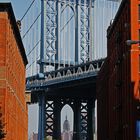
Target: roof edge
point(7, 7)
point(110, 27)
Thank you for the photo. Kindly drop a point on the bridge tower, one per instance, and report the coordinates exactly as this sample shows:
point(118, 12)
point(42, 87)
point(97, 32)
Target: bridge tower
point(66, 31)
point(65, 41)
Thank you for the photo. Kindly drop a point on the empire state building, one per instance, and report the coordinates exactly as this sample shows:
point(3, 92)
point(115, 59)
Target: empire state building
point(66, 134)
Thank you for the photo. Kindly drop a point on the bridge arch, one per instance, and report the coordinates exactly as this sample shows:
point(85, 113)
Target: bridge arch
point(67, 5)
point(67, 37)
point(67, 114)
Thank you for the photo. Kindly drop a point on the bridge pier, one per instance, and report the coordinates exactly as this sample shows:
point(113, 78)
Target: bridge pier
point(50, 121)
point(41, 125)
point(90, 122)
point(56, 125)
point(77, 117)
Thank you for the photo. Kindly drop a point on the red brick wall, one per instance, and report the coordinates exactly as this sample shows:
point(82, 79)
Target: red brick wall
point(12, 82)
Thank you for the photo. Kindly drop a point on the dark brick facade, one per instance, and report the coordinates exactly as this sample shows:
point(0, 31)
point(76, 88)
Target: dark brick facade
point(118, 81)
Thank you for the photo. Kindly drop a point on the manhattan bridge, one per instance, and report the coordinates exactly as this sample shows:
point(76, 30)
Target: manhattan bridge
point(65, 42)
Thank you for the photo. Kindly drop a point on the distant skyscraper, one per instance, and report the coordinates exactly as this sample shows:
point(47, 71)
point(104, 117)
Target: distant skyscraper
point(103, 12)
point(66, 134)
point(34, 136)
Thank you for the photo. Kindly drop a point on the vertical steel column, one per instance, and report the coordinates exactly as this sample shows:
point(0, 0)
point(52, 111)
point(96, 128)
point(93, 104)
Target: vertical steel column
point(57, 30)
point(42, 38)
point(76, 32)
point(77, 123)
point(41, 126)
point(90, 120)
point(90, 32)
point(56, 123)
point(41, 96)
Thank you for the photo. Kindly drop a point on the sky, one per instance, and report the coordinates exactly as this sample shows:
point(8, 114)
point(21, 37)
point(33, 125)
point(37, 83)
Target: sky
point(19, 6)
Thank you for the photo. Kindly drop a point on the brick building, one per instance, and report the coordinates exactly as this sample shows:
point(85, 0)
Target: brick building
point(12, 76)
point(118, 89)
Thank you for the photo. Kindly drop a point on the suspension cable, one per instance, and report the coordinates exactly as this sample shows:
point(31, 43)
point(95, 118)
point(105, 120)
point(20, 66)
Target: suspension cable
point(32, 63)
point(27, 10)
point(67, 22)
point(31, 26)
point(33, 47)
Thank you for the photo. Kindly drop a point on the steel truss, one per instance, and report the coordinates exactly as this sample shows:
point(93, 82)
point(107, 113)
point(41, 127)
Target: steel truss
point(51, 25)
point(84, 32)
point(49, 117)
point(84, 121)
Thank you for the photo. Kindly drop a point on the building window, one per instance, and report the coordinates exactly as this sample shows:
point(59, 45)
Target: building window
point(139, 35)
point(139, 12)
point(139, 63)
point(138, 130)
point(118, 38)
